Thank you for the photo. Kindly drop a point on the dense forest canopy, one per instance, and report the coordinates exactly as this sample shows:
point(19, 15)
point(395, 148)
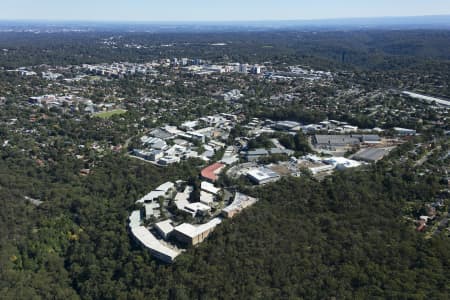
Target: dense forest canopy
point(366, 49)
point(343, 237)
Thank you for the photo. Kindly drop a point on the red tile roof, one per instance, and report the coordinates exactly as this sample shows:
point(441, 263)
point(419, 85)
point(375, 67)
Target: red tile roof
point(211, 172)
point(421, 227)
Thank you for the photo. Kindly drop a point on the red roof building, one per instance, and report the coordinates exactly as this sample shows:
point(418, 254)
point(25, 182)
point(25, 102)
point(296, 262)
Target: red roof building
point(422, 226)
point(210, 173)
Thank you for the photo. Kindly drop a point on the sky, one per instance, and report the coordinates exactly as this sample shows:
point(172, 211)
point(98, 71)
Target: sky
point(215, 10)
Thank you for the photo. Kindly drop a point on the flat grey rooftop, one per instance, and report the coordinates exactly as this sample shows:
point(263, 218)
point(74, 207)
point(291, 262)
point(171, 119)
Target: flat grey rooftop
point(371, 154)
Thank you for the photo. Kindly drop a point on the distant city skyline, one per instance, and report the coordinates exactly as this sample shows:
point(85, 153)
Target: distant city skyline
point(202, 10)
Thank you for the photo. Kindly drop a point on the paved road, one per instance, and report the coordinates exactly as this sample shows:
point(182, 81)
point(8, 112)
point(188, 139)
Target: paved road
point(425, 158)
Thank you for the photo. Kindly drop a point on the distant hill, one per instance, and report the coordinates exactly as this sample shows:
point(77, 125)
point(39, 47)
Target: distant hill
point(394, 23)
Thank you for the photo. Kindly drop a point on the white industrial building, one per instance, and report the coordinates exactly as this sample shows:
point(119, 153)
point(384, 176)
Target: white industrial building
point(342, 163)
point(262, 175)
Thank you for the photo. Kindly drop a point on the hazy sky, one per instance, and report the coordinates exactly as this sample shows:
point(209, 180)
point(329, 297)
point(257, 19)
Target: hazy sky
point(215, 10)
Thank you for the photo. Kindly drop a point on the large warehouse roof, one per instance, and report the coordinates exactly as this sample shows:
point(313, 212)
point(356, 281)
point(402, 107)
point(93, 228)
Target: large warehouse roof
point(336, 140)
point(371, 154)
point(261, 175)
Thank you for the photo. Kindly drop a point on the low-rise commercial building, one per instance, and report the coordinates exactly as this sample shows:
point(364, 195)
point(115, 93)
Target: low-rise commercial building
point(325, 141)
point(167, 160)
point(192, 235)
point(330, 141)
point(287, 125)
point(254, 155)
point(239, 203)
point(262, 175)
point(342, 163)
point(156, 248)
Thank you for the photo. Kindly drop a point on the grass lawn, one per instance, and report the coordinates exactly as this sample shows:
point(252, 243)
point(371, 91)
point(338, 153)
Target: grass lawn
point(109, 114)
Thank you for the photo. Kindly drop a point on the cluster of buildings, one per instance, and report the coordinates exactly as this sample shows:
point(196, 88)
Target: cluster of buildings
point(118, 70)
point(23, 71)
point(51, 75)
point(344, 142)
point(205, 205)
point(328, 128)
point(169, 144)
point(261, 174)
point(209, 198)
point(297, 72)
point(59, 101)
point(122, 69)
point(193, 66)
point(330, 137)
point(366, 147)
point(335, 127)
point(200, 67)
point(318, 165)
point(73, 102)
point(256, 154)
point(206, 69)
point(167, 238)
point(258, 126)
point(232, 95)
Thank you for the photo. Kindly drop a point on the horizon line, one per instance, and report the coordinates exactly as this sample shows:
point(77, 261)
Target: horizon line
point(221, 21)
